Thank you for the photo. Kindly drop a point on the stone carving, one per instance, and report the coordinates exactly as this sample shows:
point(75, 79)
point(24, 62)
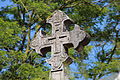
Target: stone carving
point(56, 61)
point(60, 40)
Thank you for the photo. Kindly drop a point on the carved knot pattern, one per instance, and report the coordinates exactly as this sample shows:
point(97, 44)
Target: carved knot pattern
point(57, 60)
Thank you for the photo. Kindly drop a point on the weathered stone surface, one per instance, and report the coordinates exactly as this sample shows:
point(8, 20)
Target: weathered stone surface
point(59, 42)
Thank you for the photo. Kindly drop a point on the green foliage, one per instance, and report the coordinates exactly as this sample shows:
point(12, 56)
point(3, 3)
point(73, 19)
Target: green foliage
point(20, 66)
point(9, 34)
point(27, 71)
point(79, 56)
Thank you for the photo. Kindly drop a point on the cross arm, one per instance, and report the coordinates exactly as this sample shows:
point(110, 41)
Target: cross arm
point(41, 43)
point(79, 38)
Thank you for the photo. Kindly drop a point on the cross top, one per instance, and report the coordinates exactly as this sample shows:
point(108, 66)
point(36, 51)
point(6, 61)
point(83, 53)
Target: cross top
point(57, 21)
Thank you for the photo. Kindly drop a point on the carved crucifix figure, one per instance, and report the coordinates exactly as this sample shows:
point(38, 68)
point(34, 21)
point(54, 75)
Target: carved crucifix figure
point(59, 42)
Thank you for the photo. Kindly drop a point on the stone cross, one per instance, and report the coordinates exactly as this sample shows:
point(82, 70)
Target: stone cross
point(59, 42)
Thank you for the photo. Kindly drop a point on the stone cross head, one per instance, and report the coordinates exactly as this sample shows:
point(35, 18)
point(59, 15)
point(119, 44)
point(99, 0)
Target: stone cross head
point(60, 40)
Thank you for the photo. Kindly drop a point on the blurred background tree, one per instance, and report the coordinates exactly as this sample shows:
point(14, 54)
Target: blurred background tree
point(20, 21)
